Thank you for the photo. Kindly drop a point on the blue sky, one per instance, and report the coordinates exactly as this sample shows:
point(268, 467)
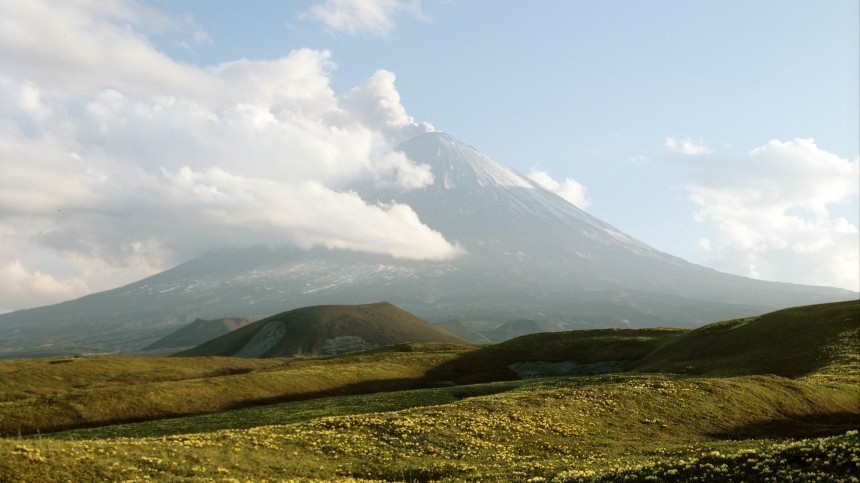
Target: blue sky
point(722, 132)
point(579, 89)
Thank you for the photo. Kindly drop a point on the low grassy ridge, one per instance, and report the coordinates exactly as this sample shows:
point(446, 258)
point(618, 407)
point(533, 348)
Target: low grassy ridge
point(493, 362)
point(52, 394)
point(816, 340)
point(716, 422)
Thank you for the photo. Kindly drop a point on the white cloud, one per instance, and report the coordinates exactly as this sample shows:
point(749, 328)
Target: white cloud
point(376, 103)
point(115, 158)
point(355, 17)
point(570, 189)
point(275, 210)
point(686, 146)
point(76, 46)
point(22, 287)
point(771, 214)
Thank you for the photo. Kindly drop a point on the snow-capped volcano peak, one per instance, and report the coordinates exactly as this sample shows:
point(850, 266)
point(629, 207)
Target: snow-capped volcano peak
point(456, 164)
point(528, 254)
point(494, 203)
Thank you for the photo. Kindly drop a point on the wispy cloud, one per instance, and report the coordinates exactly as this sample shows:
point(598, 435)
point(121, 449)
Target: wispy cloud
point(23, 287)
point(686, 146)
point(118, 161)
point(363, 17)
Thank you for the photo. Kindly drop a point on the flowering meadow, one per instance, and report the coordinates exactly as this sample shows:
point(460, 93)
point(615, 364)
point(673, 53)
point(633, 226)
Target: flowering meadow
point(604, 428)
point(775, 398)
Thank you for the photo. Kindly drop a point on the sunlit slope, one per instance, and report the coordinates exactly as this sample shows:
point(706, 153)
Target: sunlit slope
point(42, 395)
point(559, 429)
point(326, 330)
point(33, 378)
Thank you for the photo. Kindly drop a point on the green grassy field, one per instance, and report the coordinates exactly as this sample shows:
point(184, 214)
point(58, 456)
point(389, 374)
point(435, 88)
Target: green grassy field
point(52, 394)
point(774, 398)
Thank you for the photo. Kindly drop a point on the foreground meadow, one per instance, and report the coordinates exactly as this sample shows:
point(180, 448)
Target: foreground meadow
point(734, 401)
point(560, 429)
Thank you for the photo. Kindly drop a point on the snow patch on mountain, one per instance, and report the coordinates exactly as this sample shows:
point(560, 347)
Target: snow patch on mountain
point(476, 168)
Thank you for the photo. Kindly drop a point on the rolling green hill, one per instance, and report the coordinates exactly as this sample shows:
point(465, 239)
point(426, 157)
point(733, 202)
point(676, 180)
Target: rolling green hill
point(42, 395)
point(584, 347)
point(770, 398)
point(793, 342)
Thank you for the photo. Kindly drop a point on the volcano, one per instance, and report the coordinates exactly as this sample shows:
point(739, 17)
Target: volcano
point(527, 254)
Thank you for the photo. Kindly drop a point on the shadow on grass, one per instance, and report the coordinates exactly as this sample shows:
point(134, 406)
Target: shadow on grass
point(290, 410)
point(812, 426)
point(355, 389)
point(389, 386)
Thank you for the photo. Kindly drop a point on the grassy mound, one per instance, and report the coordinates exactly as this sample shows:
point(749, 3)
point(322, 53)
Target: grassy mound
point(793, 342)
point(326, 329)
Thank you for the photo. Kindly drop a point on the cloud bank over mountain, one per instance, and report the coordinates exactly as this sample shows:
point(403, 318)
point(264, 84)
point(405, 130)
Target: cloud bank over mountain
point(771, 213)
point(118, 161)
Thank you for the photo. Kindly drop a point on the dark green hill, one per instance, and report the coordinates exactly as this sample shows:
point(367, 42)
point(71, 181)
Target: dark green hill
point(816, 339)
point(325, 330)
point(198, 332)
point(792, 342)
point(590, 351)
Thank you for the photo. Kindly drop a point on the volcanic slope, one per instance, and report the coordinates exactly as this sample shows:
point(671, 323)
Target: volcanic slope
point(325, 330)
point(527, 254)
